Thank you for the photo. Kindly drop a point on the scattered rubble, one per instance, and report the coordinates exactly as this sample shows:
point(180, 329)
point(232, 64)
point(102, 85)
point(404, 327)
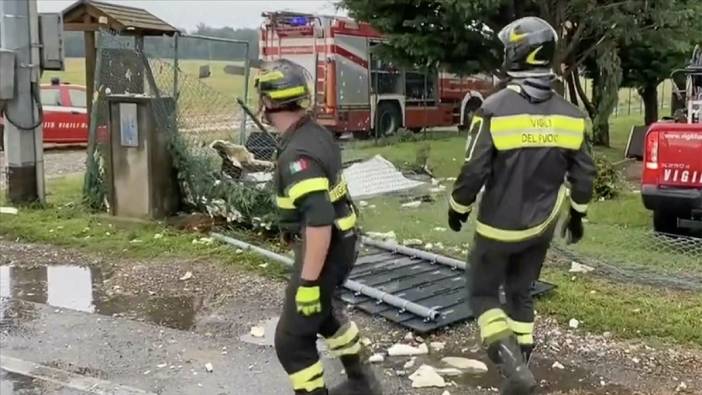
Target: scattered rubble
point(576, 267)
point(412, 242)
point(557, 365)
point(382, 236)
point(681, 387)
point(8, 210)
point(573, 323)
point(410, 364)
point(376, 358)
point(209, 368)
point(365, 342)
point(472, 366)
point(409, 337)
point(413, 204)
point(437, 346)
point(402, 350)
point(425, 377)
point(450, 372)
point(258, 331)
point(186, 276)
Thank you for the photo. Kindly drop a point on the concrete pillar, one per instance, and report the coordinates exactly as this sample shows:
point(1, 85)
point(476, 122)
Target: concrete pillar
point(19, 32)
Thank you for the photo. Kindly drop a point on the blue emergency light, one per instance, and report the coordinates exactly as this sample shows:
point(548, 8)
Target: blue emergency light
point(298, 21)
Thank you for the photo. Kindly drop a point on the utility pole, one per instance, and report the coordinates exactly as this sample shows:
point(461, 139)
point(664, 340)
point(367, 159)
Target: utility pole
point(19, 32)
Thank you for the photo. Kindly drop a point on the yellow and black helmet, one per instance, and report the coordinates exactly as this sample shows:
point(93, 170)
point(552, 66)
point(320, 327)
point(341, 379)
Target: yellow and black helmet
point(530, 45)
point(283, 82)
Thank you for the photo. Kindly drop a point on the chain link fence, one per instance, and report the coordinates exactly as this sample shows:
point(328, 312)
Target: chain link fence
point(196, 106)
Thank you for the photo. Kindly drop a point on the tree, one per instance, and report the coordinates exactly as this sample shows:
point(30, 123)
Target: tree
point(649, 61)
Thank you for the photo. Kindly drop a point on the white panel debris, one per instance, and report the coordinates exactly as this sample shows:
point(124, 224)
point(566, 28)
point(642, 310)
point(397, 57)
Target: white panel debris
point(376, 176)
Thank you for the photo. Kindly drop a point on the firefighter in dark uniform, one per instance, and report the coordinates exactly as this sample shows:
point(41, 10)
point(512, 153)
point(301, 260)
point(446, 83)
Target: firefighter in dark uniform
point(318, 219)
point(527, 148)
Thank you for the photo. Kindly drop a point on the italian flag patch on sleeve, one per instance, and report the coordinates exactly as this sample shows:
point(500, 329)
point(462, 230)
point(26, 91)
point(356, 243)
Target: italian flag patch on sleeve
point(299, 165)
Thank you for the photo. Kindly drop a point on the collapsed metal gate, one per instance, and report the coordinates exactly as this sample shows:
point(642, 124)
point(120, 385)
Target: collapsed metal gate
point(417, 289)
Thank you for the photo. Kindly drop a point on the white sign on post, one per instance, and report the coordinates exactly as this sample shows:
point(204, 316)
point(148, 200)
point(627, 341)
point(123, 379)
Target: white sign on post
point(128, 126)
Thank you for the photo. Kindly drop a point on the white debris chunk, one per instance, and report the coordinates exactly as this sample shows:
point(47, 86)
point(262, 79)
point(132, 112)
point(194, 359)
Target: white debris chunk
point(376, 358)
point(161, 365)
point(428, 246)
point(435, 181)
point(365, 342)
point(437, 346)
point(440, 229)
point(186, 276)
point(204, 241)
point(363, 203)
point(576, 267)
point(158, 236)
point(426, 377)
point(8, 210)
point(382, 236)
point(681, 387)
point(472, 366)
point(410, 364)
point(409, 337)
point(412, 242)
point(209, 368)
point(445, 393)
point(402, 350)
point(573, 323)
point(413, 204)
point(450, 372)
point(557, 365)
point(258, 331)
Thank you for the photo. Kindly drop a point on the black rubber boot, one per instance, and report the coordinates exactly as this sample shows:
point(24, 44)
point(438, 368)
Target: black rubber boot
point(526, 352)
point(361, 379)
point(517, 378)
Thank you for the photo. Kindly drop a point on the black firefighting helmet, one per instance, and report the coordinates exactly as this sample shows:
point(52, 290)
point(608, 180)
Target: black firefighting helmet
point(530, 45)
point(283, 83)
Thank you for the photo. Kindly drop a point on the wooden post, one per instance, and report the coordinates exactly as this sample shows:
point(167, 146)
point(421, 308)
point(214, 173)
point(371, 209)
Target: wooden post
point(90, 55)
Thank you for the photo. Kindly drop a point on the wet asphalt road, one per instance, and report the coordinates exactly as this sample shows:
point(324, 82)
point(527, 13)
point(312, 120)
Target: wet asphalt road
point(155, 359)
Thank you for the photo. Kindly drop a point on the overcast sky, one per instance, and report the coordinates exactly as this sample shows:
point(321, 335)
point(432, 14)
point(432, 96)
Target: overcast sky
point(188, 13)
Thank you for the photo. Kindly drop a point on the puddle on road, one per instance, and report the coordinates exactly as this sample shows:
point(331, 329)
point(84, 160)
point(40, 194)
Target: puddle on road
point(17, 384)
point(79, 288)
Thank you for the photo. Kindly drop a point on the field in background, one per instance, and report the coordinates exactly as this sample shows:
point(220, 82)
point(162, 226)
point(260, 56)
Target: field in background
point(226, 84)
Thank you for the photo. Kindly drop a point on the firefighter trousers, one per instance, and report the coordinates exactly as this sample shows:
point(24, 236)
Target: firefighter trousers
point(515, 266)
point(296, 335)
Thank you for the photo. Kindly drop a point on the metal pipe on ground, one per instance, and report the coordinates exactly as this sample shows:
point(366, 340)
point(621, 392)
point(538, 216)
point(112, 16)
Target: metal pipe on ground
point(413, 252)
point(374, 293)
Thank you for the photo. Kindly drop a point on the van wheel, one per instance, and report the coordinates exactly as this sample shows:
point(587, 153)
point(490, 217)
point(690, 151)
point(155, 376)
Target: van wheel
point(387, 119)
point(665, 222)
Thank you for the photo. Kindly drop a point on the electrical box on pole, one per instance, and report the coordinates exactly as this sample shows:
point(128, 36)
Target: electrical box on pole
point(51, 35)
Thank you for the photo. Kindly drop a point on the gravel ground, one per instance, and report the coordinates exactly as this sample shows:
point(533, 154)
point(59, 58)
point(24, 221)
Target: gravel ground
point(227, 301)
point(57, 163)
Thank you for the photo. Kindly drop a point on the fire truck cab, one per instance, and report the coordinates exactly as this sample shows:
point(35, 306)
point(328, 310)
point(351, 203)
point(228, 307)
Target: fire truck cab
point(355, 89)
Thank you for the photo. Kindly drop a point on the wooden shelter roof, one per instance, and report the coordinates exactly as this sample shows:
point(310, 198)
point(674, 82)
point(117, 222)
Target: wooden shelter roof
point(90, 15)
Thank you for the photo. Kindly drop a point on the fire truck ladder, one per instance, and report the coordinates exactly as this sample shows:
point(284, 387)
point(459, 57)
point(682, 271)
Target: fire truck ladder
point(417, 289)
point(320, 68)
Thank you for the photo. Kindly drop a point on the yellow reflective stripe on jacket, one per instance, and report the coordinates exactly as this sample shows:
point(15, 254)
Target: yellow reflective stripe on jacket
point(309, 185)
point(338, 191)
point(346, 223)
point(531, 131)
point(525, 340)
point(459, 208)
point(287, 93)
point(581, 208)
point(309, 378)
point(519, 235)
point(284, 202)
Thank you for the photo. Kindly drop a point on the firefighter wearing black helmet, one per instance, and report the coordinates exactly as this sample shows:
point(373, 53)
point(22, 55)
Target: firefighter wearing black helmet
point(318, 218)
point(527, 148)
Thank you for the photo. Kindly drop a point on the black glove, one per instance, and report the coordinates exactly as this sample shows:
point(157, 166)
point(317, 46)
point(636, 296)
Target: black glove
point(456, 220)
point(573, 228)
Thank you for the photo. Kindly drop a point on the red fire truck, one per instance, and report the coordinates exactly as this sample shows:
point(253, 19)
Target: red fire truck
point(357, 91)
